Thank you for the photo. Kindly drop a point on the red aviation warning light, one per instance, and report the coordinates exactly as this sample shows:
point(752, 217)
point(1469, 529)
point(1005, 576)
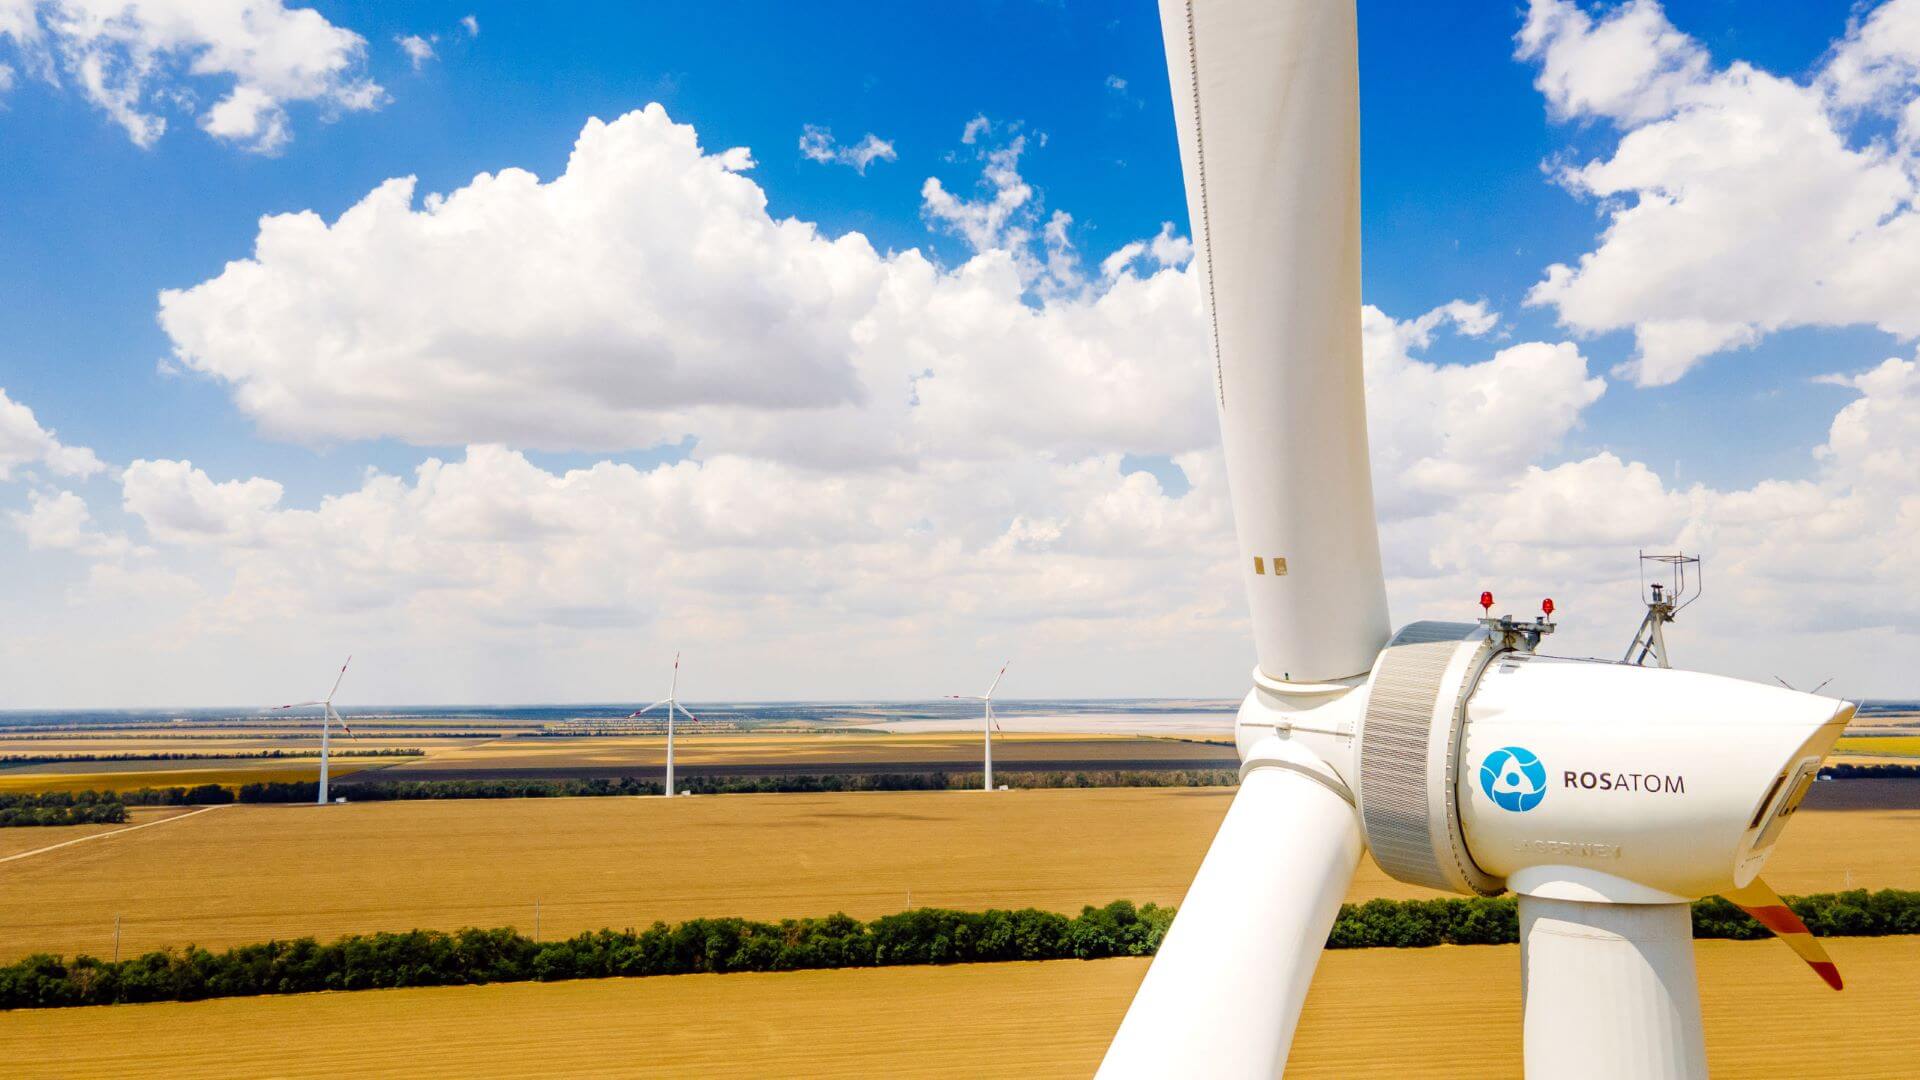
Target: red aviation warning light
point(1486, 602)
point(1546, 607)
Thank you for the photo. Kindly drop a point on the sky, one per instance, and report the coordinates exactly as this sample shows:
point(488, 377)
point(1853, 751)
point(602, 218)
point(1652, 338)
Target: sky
point(851, 354)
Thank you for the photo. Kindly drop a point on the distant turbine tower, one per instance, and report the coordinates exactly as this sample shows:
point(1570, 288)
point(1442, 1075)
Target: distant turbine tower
point(988, 725)
point(672, 702)
point(327, 716)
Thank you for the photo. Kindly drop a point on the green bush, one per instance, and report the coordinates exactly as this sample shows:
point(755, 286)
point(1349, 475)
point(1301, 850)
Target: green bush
point(61, 808)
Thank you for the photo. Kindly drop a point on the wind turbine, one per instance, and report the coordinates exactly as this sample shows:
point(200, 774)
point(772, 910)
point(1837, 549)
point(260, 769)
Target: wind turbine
point(327, 717)
point(672, 702)
point(1607, 795)
point(988, 725)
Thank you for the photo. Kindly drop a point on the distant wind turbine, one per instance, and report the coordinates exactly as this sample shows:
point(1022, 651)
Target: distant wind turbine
point(672, 702)
point(327, 717)
point(988, 724)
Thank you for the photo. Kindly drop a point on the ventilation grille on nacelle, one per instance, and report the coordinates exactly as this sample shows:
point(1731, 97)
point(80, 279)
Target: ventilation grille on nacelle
point(1420, 633)
point(1394, 750)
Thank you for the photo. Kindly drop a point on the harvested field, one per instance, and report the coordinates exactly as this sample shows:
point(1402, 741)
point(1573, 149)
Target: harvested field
point(1051, 1019)
point(814, 752)
point(250, 873)
point(15, 840)
point(530, 757)
point(128, 775)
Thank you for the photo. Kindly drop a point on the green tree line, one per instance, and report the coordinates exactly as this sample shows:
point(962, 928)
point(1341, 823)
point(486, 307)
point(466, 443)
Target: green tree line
point(61, 808)
point(921, 936)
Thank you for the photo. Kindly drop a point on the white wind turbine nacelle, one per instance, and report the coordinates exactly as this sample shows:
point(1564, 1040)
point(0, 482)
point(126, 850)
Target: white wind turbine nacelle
point(1608, 796)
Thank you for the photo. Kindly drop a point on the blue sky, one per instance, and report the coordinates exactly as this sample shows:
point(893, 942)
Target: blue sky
point(1459, 142)
point(1456, 203)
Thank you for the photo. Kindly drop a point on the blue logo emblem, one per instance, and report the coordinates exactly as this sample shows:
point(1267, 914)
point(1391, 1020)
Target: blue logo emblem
point(1513, 778)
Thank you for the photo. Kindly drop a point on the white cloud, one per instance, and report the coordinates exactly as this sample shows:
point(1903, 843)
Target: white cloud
point(132, 57)
point(897, 465)
point(817, 144)
point(1001, 218)
point(61, 522)
point(471, 25)
point(24, 442)
point(1738, 203)
point(1165, 249)
point(180, 504)
point(419, 49)
point(1632, 65)
point(645, 295)
point(1442, 433)
point(1116, 84)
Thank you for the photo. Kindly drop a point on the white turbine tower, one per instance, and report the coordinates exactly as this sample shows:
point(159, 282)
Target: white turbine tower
point(987, 724)
point(1608, 796)
point(672, 702)
point(327, 717)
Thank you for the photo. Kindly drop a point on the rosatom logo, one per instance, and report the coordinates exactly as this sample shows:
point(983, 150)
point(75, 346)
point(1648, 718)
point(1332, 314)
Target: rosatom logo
point(1513, 778)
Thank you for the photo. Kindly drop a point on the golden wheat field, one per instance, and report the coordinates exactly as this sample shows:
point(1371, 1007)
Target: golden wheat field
point(249, 873)
point(1389, 1013)
point(128, 775)
point(1890, 746)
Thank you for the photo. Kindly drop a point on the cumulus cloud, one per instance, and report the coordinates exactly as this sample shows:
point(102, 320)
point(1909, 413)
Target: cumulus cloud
point(419, 49)
point(645, 295)
point(60, 521)
point(134, 59)
point(181, 504)
point(903, 458)
point(817, 144)
point(1441, 433)
point(1737, 202)
point(23, 442)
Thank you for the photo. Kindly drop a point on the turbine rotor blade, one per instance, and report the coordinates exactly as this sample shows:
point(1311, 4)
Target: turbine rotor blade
point(338, 679)
point(1266, 100)
point(298, 705)
point(650, 708)
point(685, 713)
point(1760, 901)
point(1229, 980)
point(997, 678)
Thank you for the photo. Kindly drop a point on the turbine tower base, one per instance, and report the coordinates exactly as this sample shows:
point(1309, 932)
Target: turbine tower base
point(1609, 991)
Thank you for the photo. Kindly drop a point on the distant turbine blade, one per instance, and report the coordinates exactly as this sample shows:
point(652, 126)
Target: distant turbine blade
point(338, 679)
point(1787, 684)
point(650, 708)
point(1823, 684)
point(997, 678)
point(298, 705)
